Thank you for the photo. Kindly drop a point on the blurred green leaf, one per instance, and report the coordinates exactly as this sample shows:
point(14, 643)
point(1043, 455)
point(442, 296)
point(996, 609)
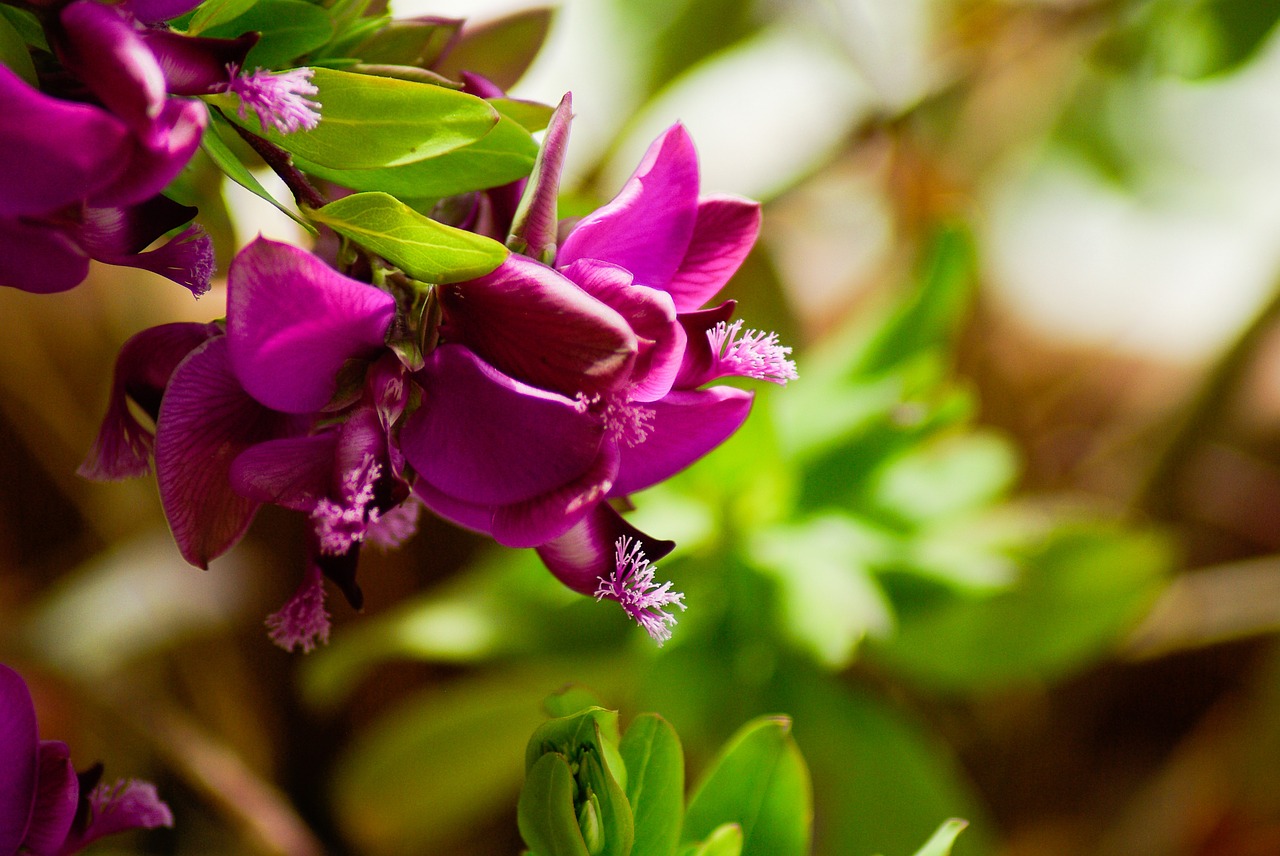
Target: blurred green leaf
point(1081, 587)
point(445, 760)
point(682, 32)
point(759, 780)
point(502, 49)
point(545, 813)
point(942, 841)
point(372, 122)
point(569, 701)
point(421, 247)
point(1194, 39)
point(289, 28)
point(14, 53)
point(212, 13)
point(726, 840)
point(215, 145)
point(504, 155)
point(27, 25)
point(410, 42)
point(655, 784)
point(940, 480)
point(828, 598)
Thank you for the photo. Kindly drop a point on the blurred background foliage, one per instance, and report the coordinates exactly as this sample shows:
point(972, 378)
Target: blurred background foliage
point(1008, 550)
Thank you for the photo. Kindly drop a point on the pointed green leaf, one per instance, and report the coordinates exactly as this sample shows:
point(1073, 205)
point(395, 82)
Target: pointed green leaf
point(411, 42)
point(14, 53)
point(760, 781)
point(545, 812)
point(569, 701)
point(369, 122)
point(504, 155)
point(418, 245)
point(655, 784)
point(725, 841)
point(940, 843)
point(215, 146)
point(212, 13)
point(502, 50)
point(289, 28)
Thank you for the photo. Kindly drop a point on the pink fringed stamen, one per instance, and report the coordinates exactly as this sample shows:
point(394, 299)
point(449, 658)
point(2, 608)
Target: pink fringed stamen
point(278, 99)
point(753, 353)
point(631, 584)
point(303, 621)
point(340, 525)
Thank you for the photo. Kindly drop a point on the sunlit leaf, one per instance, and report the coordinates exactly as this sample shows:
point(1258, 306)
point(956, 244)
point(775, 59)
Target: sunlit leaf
point(418, 245)
point(212, 13)
point(545, 813)
point(655, 784)
point(725, 841)
point(289, 28)
point(215, 146)
point(759, 781)
point(943, 840)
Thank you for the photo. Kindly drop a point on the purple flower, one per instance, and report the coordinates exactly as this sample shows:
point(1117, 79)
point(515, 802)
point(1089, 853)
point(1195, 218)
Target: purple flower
point(45, 808)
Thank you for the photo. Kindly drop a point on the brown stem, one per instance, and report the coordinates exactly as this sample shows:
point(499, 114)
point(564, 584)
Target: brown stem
point(282, 165)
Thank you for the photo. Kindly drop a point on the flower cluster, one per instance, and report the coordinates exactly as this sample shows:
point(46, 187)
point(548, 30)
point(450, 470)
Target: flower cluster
point(106, 130)
point(524, 404)
point(46, 808)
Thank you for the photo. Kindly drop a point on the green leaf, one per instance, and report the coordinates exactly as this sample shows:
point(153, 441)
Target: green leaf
point(289, 28)
point(655, 784)
point(569, 701)
point(27, 25)
point(504, 155)
point(369, 122)
point(502, 49)
point(943, 479)
point(421, 247)
point(14, 53)
point(760, 781)
point(942, 840)
point(725, 841)
point(545, 812)
point(214, 143)
point(1081, 587)
point(417, 43)
point(212, 13)
point(533, 116)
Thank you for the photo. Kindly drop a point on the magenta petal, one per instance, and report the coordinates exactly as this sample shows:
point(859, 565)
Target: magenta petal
point(586, 554)
point(187, 259)
point(151, 166)
point(648, 225)
point(725, 231)
point(206, 420)
point(123, 447)
point(531, 323)
point(700, 363)
point(651, 315)
point(538, 520)
point(153, 11)
point(121, 231)
point(686, 426)
point(121, 807)
point(486, 439)
point(46, 136)
point(101, 46)
point(39, 258)
point(194, 65)
point(533, 229)
point(294, 472)
point(57, 796)
point(292, 322)
point(478, 517)
point(19, 760)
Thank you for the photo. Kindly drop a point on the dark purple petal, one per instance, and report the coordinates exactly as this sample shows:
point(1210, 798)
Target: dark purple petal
point(585, 554)
point(725, 231)
point(486, 439)
point(19, 760)
point(40, 258)
point(650, 314)
point(648, 225)
point(292, 322)
point(117, 231)
point(101, 45)
point(57, 795)
point(475, 516)
point(533, 229)
point(186, 258)
point(47, 137)
point(479, 85)
point(206, 420)
point(530, 322)
point(685, 426)
point(700, 360)
point(123, 447)
point(150, 167)
point(294, 472)
point(538, 520)
point(193, 65)
point(126, 805)
point(154, 11)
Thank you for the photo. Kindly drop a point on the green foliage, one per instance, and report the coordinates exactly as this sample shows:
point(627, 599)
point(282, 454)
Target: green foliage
point(217, 142)
point(502, 49)
point(421, 247)
point(1194, 39)
point(14, 53)
point(654, 763)
point(289, 28)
